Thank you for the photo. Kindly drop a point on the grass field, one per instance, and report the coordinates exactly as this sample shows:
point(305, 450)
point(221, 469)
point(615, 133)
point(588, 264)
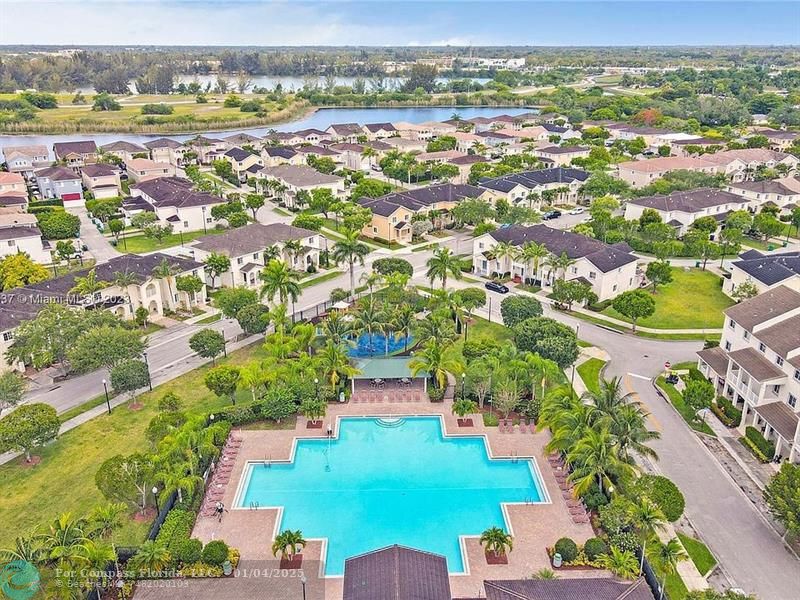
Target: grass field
point(693, 300)
point(479, 329)
point(590, 373)
point(308, 282)
point(64, 480)
point(699, 553)
point(676, 399)
point(141, 244)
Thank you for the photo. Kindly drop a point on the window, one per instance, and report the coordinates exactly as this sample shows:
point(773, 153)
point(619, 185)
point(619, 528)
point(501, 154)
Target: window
point(186, 224)
point(239, 260)
point(776, 389)
point(480, 245)
point(732, 324)
point(727, 346)
point(762, 347)
point(592, 275)
point(797, 374)
point(8, 336)
point(792, 401)
point(208, 220)
point(574, 270)
point(779, 361)
point(614, 289)
point(12, 243)
point(746, 334)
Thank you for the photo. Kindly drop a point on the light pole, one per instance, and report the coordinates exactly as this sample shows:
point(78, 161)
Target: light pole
point(108, 402)
point(463, 385)
point(303, 582)
point(155, 497)
point(205, 230)
point(572, 378)
point(316, 386)
point(180, 233)
point(149, 379)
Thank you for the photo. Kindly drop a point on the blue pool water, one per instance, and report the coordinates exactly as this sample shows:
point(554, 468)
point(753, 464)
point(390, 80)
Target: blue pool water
point(386, 482)
point(375, 345)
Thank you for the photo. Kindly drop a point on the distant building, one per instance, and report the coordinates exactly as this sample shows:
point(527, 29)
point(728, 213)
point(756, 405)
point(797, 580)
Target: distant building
point(244, 164)
point(295, 179)
point(561, 156)
point(123, 150)
point(19, 232)
point(165, 150)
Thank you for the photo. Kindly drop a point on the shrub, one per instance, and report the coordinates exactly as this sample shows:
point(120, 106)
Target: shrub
point(175, 530)
point(157, 109)
point(162, 424)
point(58, 225)
point(170, 402)
point(726, 412)
point(615, 516)
point(626, 541)
point(215, 552)
point(491, 420)
point(594, 547)
point(766, 447)
point(386, 266)
point(567, 549)
point(201, 569)
point(250, 106)
point(435, 394)
point(753, 449)
point(189, 551)
point(515, 309)
point(594, 498)
point(233, 557)
point(240, 414)
point(664, 494)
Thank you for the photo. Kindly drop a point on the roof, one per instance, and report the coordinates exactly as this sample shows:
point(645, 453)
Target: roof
point(716, 358)
point(666, 163)
point(396, 573)
point(420, 198)
point(698, 141)
point(764, 307)
point(346, 129)
point(163, 143)
point(603, 256)
point(468, 159)
point(145, 164)
point(122, 146)
point(563, 149)
point(202, 140)
point(766, 186)
point(301, 175)
point(752, 361)
point(783, 337)
point(238, 154)
point(31, 150)
point(782, 418)
point(84, 147)
point(57, 174)
point(241, 138)
point(386, 368)
point(99, 170)
point(250, 238)
point(175, 191)
point(311, 131)
point(689, 201)
point(20, 231)
point(772, 268)
point(439, 155)
point(533, 179)
point(11, 178)
point(373, 127)
point(280, 151)
point(319, 150)
point(588, 588)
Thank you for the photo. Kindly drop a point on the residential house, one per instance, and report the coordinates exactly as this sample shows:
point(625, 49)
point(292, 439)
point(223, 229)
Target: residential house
point(608, 269)
point(392, 213)
point(12, 182)
point(75, 154)
point(764, 271)
point(207, 149)
point(281, 138)
point(345, 132)
point(174, 202)
point(125, 151)
point(165, 150)
point(25, 159)
point(738, 165)
point(402, 144)
point(532, 187)
point(19, 232)
point(439, 157)
point(757, 366)
point(464, 164)
point(307, 150)
point(310, 136)
point(424, 131)
point(758, 193)
point(560, 132)
point(245, 247)
point(143, 169)
point(681, 209)
point(779, 140)
point(242, 139)
point(299, 178)
point(102, 180)
point(352, 156)
point(378, 131)
point(62, 183)
point(245, 164)
point(561, 156)
point(495, 139)
point(467, 141)
point(273, 156)
point(681, 147)
point(639, 173)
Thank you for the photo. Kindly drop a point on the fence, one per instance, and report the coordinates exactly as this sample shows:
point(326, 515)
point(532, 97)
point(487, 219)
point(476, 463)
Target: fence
point(651, 578)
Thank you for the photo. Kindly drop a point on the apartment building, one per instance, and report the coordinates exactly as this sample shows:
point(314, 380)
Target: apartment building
point(174, 201)
point(528, 186)
point(764, 271)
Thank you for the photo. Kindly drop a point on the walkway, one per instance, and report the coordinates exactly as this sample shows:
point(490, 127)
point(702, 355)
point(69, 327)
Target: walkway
point(99, 246)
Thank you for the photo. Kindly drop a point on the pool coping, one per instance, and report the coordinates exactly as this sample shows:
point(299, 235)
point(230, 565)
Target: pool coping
point(536, 473)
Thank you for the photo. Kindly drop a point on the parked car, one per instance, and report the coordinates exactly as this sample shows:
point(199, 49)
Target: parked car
point(551, 214)
point(494, 286)
point(578, 210)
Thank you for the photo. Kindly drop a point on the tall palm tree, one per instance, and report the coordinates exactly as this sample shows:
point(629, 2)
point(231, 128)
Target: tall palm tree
point(432, 360)
point(177, 477)
point(288, 543)
point(559, 264)
point(501, 251)
point(609, 397)
point(534, 253)
point(437, 326)
point(251, 377)
point(595, 458)
point(123, 279)
point(165, 270)
point(293, 249)
point(89, 285)
point(336, 328)
point(369, 153)
point(271, 253)
point(442, 263)
point(629, 427)
point(648, 519)
point(279, 280)
point(371, 280)
point(335, 363)
point(368, 318)
point(668, 556)
point(404, 318)
point(350, 250)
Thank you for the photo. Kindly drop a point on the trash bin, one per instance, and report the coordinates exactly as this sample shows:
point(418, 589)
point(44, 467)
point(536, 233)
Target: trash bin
point(556, 560)
point(697, 264)
point(227, 568)
point(771, 247)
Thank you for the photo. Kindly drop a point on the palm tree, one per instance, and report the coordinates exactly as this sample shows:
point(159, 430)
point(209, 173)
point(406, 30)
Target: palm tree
point(27, 548)
point(608, 400)
point(96, 556)
point(668, 556)
point(271, 253)
point(336, 328)
point(595, 458)
point(463, 407)
point(293, 249)
point(123, 279)
point(151, 558)
point(442, 263)
point(432, 360)
point(501, 251)
point(104, 519)
point(279, 280)
point(559, 263)
point(371, 280)
point(369, 153)
point(350, 250)
point(544, 575)
point(367, 318)
point(648, 519)
point(335, 363)
point(64, 539)
point(178, 477)
point(88, 286)
point(621, 563)
point(251, 377)
point(629, 427)
point(165, 270)
point(288, 543)
point(532, 252)
point(437, 326)
point(404, 318)
point(496, 541)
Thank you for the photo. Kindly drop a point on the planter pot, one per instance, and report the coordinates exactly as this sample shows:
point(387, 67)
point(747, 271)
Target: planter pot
point(465, 422)
point(496, 559)
point(227, 568)
point(314, 424)
point(295, 562)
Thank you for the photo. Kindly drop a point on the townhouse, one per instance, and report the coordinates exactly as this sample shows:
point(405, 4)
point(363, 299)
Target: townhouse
point(639, 173)
point(310, 136)
point(738, 165)
point(779, 140)
point(352, 156)
point(439, 157)
point(379, 131)
point(691, 146)
point(294, 179)
point(467, 141)
point(165, 150)
point(245, 247)
point(144, 169)
point(757, 366)
point(608, 269)
point(125, 151)
point(345, 132)
point(560, 156)
point(284, 138)
point(464, 164)
point(424, 131)
point(241, 139)
point(174, 202)
point(402, 144)
point(19, 232)
point(272, 156)
point(759, 193)
point(529, 186)
point(392, 213)
point(75, 154)
point(207, 149)
point(764, 271)
point(26, 159)
point(307, 150)
point(560, 132)
point(12, 184)
point(102, 180)
point(245, 164)
point(681, 209)
point(62, 183)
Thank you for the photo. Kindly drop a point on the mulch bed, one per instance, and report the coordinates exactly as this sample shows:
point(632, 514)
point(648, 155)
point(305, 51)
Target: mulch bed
point(313, 425)
point(25, 464)
point(465, 422)
point(295, 563)
point(135, 406)
point(148, 516)
point(496, 559)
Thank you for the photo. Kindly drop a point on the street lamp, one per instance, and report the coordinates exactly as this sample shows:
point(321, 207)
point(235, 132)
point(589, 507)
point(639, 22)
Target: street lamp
point(572, 377)
point(108, 402)
point(180, 233)
point(155, 497)
point(303, 581)
point(203, 208)
point(463, 385)
point(316, 385)
point(149, 379)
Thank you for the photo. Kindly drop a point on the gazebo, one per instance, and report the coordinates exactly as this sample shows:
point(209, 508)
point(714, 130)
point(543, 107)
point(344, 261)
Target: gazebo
point(387, 379)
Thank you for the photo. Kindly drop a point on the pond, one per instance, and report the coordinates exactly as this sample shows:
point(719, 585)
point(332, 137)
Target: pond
point(375, 345)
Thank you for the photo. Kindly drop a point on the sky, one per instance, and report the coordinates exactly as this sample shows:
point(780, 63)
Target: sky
point(399, 23)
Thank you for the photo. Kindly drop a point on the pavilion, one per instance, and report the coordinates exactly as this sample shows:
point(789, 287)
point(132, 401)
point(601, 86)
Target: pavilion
point(389, 379)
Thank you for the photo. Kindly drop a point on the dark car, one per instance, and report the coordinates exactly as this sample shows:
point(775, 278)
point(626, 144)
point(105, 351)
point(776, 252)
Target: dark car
point(551, 214)
point(496, 287)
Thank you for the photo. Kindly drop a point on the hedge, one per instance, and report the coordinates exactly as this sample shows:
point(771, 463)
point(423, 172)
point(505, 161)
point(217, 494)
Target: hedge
point(726, 412)
point(175, 531)
point(766, 447)
point(664, 494)
point(594, 547)
point(753, 449)
point(215, 552)
point(385, 266)
point(567, 548)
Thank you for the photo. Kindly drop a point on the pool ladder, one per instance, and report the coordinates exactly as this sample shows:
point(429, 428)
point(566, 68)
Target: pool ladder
point(268, 462)
point(514, 457)
point(254, 505)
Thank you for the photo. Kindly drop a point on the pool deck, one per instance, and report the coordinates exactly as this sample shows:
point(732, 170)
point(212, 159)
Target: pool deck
point(534, 526)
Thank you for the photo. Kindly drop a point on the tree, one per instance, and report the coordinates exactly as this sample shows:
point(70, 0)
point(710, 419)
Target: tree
point(126, 479)
point(59, 225)
point(288, 543)
point(431, 359)
point(12, 388)
point(635, 304)
point(350, 250)
point(29, 426)
point(105, 346)
point(48, 337)
point(648, 520)
point(65, 250)
point(166, 270)
point(472, 211)
point(496, 541)
point(387, 266)
point(189, 284)
point(707, 224)
point(129, 376)
point(659, 273)
point(744, 291)
point(208, 343)
point(143, 219)
point(668, 556)
point(231, 300)
point(322, 200)
point(370, 188)
point(254, 202)
point(767, 225)
point(18, 269)
point(308, 221)
point(569, 292)
point(313, 409)
point(463, 407)
point(699, 394)
point(595, 461)
point(253, 318)
point(216, 265)
point(517, 308)
point(782, 495)
point(479, 380)
point(105, 102)
point(549, 338)
point(279, 280)
point(442, 263)
point(223, 381)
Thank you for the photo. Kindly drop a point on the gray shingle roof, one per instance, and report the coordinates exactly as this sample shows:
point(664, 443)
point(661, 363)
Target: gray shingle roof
point(99, 170)
point(280, 151)
point(752, 361)
point(251, 238)
point(689, 201)
point(782, 418)
point(163, 143)
point(421, 197)
point(175, 191)
point(122, 146)
point(237, 154)
point(57, 174)
point(770, 269)
point(346, 129)
point(589, 588)
point(764, 307)
point(83, 147)
point(534, 179)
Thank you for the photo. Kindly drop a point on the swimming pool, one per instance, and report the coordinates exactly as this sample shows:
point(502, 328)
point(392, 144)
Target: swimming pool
point(367, 345)
point(391, 481)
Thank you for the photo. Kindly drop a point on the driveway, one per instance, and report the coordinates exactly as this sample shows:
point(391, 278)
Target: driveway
point(99, 246)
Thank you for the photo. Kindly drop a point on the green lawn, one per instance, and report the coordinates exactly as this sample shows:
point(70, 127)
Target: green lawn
point(590, 373)
point(674, 586)
point(693, 300)
point(212, 319)
point(141, 244)
point(308, 282)
point(64, 480)
point(480, 328)
point(676, 399)
point(699, 553)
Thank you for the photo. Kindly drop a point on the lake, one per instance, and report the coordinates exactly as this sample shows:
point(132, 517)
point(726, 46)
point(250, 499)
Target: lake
point(321, 119)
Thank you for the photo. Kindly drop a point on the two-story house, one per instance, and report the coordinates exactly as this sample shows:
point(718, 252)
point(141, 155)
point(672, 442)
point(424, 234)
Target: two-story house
point(75, 154)
point(294, 179)
point(143, 169)
point(61, 183)
point(165, 150)
point(529, 187)
point(25, 159)
point(174, 202)
point(764, 271)
point(19, 232)
point(123, 150)
point(244, 164)
point(102, 180)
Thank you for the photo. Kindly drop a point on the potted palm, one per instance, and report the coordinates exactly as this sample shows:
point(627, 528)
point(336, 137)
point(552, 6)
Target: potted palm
point(496, 543)
point(463, 407)
point(287, 544)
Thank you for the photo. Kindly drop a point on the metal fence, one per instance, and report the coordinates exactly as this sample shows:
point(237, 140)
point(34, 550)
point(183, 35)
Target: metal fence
point(651, 578)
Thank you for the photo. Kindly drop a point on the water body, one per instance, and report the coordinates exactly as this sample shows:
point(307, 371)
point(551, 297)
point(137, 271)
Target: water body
point(321, 119)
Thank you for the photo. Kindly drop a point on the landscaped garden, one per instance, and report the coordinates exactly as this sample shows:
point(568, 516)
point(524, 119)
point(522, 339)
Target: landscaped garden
point(589, 371)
